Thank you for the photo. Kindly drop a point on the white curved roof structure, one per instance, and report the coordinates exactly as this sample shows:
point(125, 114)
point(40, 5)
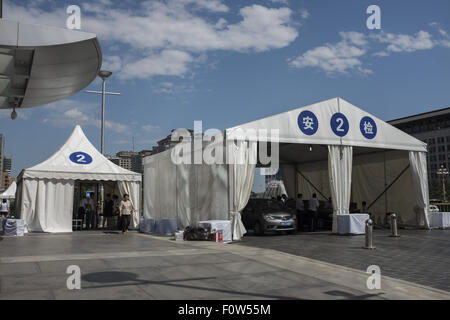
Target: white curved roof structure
point(40, 64)
point(322, 128)
point(78, 159)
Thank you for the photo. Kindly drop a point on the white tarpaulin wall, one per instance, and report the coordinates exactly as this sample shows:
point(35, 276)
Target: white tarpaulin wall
point(196, 192)
point(187, 192)
point(45, 192)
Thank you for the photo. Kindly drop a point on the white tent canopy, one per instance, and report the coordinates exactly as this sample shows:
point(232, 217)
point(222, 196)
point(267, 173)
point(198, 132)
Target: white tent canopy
point(9, 193)
point(387, 136)
point(46, 191)
point(331, 147)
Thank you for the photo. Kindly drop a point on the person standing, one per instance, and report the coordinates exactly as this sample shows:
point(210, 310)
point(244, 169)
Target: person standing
point(126, 210)
point(108, 212)
point(300, 207)
point(4, 208)
point(116, 212)
point(364, 207)
point(82, 211)
point(91, 212)
point(313, 206)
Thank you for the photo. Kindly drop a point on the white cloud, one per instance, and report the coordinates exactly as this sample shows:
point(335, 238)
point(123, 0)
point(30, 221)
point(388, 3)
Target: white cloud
point(381, 54)
point(340, 57)
point(304, 13)
point(347, 54)
point(112, 63)
point(212, 5)
point(168, 62)
point(68, 113)
point(150, 128)
point(285, 2)
point(172, 32)
point(422, 40)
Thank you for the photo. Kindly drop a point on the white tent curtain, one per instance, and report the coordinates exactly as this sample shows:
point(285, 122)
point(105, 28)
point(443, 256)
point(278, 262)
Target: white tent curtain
point(47, 205)
point(340, 159)
point(418, 163)
point(243, 157)
point(132, 188)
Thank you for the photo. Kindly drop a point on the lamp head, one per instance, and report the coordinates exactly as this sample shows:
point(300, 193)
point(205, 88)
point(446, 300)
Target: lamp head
point(104, 74)
point(14, 114)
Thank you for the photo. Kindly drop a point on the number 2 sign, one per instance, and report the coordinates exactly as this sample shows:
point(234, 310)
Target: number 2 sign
point(80, 158)
point(339, 124)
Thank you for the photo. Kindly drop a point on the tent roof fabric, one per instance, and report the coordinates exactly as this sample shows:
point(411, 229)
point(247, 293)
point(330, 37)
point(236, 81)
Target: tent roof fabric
point(78, 159)
point(9, 193)
point(385, 135)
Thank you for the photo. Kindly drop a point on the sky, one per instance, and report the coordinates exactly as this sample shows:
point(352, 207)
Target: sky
point(228, 62)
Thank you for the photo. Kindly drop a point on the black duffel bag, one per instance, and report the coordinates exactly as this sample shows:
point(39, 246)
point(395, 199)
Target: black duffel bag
point(196, 234)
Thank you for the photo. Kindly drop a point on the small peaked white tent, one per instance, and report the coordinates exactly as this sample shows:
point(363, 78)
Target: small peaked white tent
point(45, 192)
point(332, 148)
point(9, 193)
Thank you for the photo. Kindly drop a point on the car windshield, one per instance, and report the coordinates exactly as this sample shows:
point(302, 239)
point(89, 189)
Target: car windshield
point(271, 204)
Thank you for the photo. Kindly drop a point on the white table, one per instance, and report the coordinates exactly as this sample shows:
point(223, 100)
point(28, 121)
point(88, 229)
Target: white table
point(439, 219)
point(354, 223)
point(224, 225)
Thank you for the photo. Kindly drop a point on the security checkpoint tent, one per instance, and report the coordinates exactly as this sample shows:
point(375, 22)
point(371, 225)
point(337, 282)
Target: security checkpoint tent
point(332, 148)
point(45, 192)
point(9, 193)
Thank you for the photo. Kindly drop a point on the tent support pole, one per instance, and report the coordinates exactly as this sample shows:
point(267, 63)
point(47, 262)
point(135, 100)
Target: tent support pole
point(388, 187)
point(228, 172)
point(312, 185)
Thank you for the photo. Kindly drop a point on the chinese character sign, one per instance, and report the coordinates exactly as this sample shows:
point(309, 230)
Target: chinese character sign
point(368, 127)
point(308, 123)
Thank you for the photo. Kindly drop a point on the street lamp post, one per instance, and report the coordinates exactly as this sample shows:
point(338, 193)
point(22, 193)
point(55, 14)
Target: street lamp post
point(103, 74)
point(443, 172)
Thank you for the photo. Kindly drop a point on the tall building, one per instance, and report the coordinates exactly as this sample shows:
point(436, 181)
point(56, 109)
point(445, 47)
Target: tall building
point(130, 160)
point(126, 159)
point(168, 142)
point(2, 152)
point(432, 128)
point(5, 166)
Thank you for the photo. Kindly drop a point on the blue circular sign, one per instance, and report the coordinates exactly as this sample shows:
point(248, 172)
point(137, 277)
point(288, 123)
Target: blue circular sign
point(308, 123)
point(368, 127)
point(339, 124)
point(80, 158)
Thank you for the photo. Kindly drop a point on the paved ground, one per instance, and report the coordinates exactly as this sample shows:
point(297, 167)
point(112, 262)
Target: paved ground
point(417, 256)
point(139, 266)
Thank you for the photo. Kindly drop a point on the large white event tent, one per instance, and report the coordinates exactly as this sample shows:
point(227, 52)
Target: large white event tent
point(45, 192)
point(331, 148)
point(9, 193)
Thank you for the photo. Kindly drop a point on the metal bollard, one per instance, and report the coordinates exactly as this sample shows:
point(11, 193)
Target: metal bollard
point(394, 225)
point(369, 235)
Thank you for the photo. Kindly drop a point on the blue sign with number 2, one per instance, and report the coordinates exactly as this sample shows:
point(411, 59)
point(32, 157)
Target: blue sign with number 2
point(339, 124)
point(80, 158)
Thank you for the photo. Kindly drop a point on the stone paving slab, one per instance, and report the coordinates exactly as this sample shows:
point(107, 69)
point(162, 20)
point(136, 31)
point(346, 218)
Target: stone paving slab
point(140, 266)
point(419, 256)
